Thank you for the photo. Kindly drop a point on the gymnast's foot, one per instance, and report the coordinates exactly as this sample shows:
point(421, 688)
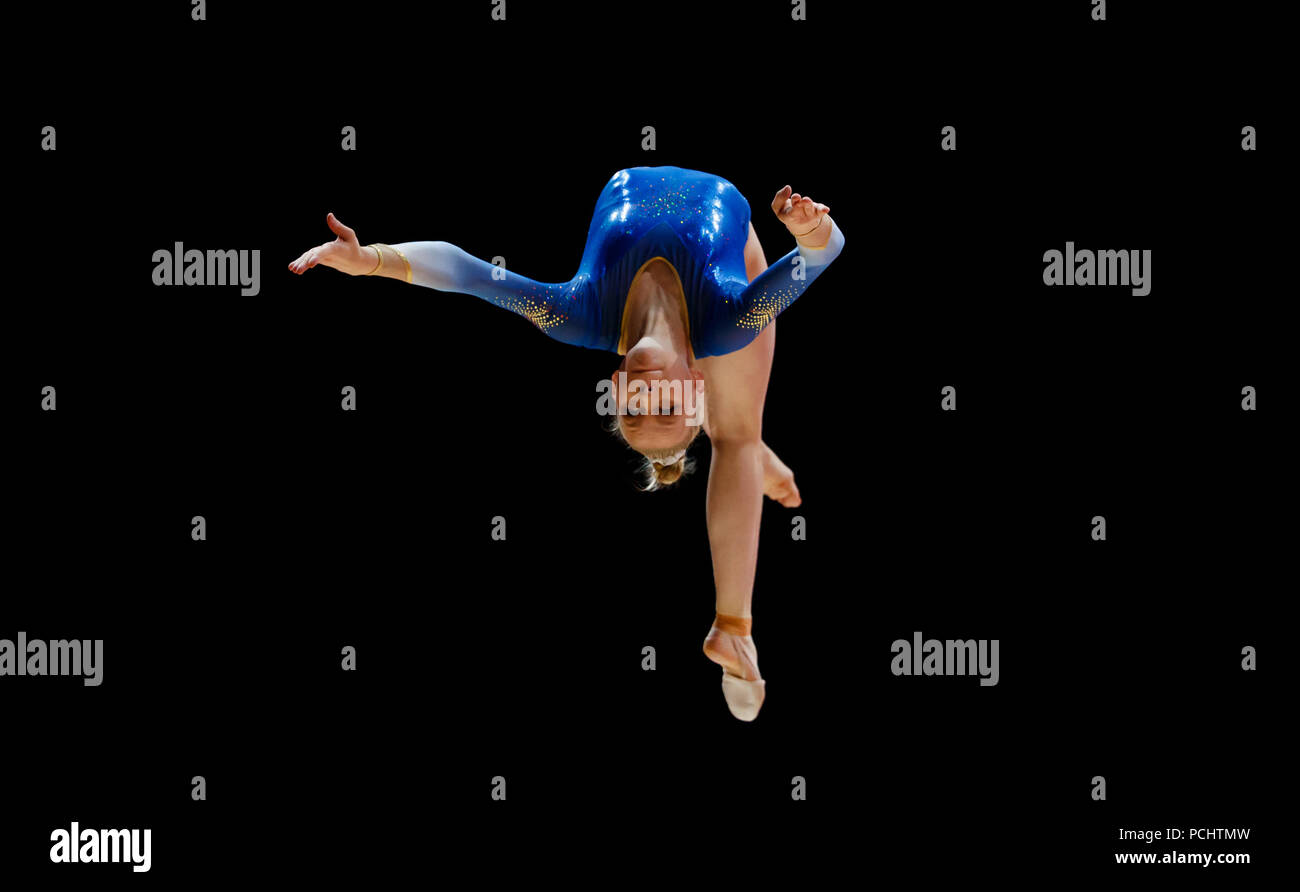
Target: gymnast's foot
point(730, 645)
point(778, 480)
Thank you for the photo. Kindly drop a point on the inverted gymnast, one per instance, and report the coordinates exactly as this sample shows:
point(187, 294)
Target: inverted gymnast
point(672, 278)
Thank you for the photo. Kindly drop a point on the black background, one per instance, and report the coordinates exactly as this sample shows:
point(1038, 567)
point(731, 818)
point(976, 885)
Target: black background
point(522, 658)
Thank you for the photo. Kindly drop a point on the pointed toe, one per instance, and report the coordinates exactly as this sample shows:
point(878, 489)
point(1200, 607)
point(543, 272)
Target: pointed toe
point(744, 698)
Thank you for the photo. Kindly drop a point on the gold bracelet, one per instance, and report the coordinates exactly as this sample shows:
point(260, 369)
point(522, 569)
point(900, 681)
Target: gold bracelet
point(407, 262)
point(381, 258)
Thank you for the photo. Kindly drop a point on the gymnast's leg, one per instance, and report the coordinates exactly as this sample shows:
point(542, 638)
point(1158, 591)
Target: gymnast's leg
point(737, 388)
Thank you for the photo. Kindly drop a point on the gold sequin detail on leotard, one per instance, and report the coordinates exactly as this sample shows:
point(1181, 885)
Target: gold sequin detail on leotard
point(766, 307)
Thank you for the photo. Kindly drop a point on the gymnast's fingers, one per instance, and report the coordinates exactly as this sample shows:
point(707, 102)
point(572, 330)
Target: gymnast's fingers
point(300, 265)
point(780, 200)
point(308, 259)
point(336, 226)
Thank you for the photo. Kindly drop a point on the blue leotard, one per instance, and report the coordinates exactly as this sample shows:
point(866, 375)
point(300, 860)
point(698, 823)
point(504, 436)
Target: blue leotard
point(696, 221)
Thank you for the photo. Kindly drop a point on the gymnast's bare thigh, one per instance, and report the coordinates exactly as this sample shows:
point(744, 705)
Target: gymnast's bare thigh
point(736, 386)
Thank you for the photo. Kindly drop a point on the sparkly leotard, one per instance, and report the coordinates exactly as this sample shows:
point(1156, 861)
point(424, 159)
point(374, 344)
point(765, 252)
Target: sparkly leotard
point(696, 221)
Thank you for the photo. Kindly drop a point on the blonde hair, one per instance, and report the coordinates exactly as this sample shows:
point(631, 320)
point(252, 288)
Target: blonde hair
point(655, 474)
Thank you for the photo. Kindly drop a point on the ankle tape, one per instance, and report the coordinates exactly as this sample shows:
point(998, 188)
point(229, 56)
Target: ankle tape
point(736, 625)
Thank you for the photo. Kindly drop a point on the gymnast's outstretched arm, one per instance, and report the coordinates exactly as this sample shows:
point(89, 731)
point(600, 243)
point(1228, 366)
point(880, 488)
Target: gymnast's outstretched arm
point(559, 309)
point(818, 241)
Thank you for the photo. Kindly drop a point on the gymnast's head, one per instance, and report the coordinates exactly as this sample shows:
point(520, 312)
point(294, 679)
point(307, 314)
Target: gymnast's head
point(660, 409)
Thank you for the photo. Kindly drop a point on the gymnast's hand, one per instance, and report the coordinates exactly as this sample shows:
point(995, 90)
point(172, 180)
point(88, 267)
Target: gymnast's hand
point(344, 254)
point(800, 214)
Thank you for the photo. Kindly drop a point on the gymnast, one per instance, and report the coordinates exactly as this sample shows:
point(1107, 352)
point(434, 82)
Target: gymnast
point(673, 279)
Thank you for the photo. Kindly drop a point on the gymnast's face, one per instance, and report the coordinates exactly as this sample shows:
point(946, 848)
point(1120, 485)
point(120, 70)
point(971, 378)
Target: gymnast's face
point(669, 373)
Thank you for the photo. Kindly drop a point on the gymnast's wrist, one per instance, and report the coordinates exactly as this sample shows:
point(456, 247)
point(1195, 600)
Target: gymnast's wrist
point(818, 236)
point(371, 262)
point(392, 263)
